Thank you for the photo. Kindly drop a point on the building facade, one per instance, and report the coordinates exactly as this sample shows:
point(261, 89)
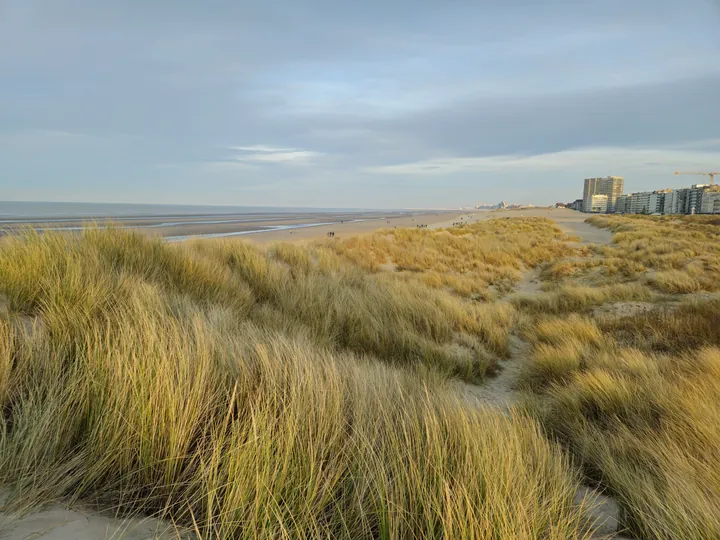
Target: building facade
point(646, 202)
point(596, 204)
point(577, 204)
point(623, 204)
point(676, 201)
point(710, 200)
point(604, 195)
point(611, 186)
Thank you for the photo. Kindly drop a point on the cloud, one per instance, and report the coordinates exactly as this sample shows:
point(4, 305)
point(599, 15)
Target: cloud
point(701, 154)
point(221, 166)
point(374, 103)
point(272, 154)
point(261, 148)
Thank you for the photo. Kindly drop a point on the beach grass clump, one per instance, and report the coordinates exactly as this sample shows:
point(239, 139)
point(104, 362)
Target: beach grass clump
point(475, 261)
point(646, 428)
point(675, 282)
point(634, 398)
point(683, 252)
point(688, 326)
point(73, 279)
point(579, 298)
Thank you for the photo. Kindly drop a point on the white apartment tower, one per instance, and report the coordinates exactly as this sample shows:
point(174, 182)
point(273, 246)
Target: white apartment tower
point(612, 186)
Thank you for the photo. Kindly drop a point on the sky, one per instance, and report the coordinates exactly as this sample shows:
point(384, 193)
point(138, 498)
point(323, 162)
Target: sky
point(373, 104)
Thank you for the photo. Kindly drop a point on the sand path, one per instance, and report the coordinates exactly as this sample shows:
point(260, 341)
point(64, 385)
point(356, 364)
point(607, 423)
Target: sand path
point(501, 392)
point(59, 522)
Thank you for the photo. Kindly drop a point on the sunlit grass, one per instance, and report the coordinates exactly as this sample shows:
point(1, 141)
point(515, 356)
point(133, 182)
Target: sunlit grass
point(305, 391)
point(244, 393)
point(644, 424)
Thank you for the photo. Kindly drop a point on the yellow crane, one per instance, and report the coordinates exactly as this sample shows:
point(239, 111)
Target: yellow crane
point(710, 174)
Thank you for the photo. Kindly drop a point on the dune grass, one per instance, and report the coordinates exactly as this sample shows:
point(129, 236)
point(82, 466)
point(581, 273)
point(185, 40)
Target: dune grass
point(306, 391)
point(670, 254)
point(636, 400)
point(633, 394)
point(480, 260)
point(243, 393)
point(684, 251)
point(568, 299)
point(69, 280)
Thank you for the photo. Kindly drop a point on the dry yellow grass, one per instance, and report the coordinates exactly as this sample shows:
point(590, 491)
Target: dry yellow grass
point(471, 260)
point(636, 401)
point(334, 302)
point(252, 394)
point(302, 391)
point(672, 254)
point(683, 250)
point(571, 298)
point(634, 396)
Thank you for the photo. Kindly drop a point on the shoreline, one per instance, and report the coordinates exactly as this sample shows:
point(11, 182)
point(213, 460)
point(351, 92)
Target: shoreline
point(188, 227)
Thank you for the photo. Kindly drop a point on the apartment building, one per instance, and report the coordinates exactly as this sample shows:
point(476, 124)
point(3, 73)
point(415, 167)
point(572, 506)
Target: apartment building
point(604, 195)
point(676, 201)
point(710, 200)
point(623, 204)
point(644, 202)
point(698, 199)
point(611, 186)
point(596, 204)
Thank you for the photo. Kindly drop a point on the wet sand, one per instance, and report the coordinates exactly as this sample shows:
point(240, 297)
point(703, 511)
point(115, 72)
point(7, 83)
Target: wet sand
point(432, 220)
point(245, 225)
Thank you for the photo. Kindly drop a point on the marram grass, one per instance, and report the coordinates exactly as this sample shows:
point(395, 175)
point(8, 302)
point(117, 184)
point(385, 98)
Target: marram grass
point(244, 394)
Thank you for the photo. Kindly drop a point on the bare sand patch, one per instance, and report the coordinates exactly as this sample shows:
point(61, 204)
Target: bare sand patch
point(58, 522)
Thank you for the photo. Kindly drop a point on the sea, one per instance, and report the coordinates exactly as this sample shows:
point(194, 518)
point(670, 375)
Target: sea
point(17, 210)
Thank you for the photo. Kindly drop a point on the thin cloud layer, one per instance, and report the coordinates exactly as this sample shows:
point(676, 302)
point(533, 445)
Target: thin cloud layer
point(373, 104)
point(268, 154)
point(705, 156)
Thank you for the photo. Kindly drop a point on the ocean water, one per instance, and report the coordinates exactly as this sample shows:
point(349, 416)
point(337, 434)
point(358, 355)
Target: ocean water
point(46, 210)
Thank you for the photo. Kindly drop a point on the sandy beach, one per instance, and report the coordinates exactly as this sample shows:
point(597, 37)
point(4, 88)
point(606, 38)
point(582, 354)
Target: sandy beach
point(570, 221)
point(263, 226)
point(291, 226)
point(433, 220)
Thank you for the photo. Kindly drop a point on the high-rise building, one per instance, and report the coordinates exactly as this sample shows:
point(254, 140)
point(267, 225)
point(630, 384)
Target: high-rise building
point(612, 186)
point(695, 196)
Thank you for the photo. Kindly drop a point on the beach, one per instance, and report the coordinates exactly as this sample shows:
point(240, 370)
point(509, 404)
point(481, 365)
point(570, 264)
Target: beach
point(260, 225)
point(571, 223)
point(275, 225)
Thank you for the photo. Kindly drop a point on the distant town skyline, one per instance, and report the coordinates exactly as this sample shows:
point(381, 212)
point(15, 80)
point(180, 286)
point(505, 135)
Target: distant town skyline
point(372, 104)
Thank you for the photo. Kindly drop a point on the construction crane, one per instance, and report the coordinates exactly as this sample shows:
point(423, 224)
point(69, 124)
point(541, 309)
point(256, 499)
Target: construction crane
point(710, 174)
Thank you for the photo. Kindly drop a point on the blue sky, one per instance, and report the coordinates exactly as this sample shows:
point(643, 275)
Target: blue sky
point(385, 104)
